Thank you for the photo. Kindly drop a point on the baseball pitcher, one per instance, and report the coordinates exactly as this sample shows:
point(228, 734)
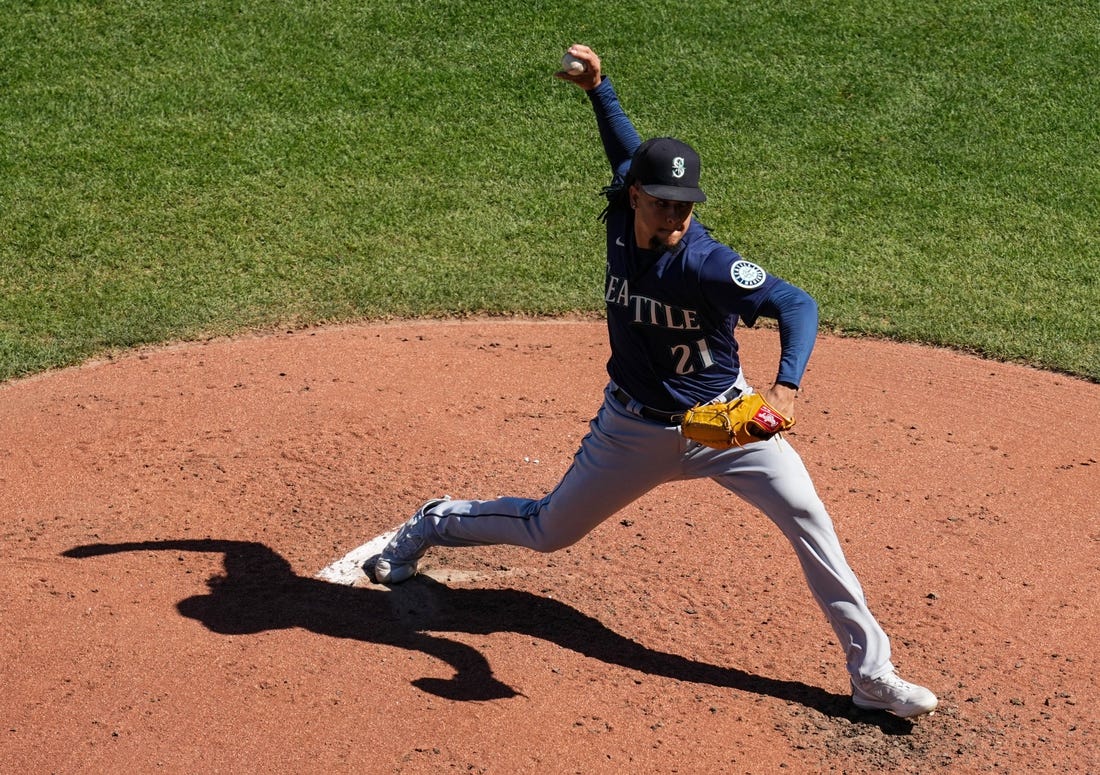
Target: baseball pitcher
point(678, 404)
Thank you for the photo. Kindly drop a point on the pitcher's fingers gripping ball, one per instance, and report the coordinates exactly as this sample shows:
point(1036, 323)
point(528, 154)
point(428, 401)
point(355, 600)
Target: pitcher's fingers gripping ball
point(735, 423)
point(581, 66)
point(571, 65)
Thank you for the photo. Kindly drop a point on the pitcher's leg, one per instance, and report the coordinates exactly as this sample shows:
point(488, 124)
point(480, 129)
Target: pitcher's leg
point(772, 477)
point(619, 460)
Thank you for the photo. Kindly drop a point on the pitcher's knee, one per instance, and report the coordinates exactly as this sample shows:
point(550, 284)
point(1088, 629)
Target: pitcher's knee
point(551, 535)
point(553, 542)
point(558, 525)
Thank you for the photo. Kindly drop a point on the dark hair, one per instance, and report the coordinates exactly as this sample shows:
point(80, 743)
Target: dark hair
point(618, 197)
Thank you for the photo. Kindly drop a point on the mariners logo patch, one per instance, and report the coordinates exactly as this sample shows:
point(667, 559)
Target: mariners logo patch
point(747, 275)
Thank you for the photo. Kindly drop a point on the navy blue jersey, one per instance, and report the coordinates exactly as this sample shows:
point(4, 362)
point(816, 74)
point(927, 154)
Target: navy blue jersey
point(672, 314)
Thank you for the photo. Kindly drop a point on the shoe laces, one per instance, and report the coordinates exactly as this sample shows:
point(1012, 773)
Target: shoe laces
point(409, 538)
point(891, 682)
point(409, 542)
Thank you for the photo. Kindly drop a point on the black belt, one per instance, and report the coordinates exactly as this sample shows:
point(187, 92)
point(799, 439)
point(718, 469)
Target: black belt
point(665, 418)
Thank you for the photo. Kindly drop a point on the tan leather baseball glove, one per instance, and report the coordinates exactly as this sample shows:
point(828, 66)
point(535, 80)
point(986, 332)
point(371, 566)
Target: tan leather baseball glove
point(735, 423)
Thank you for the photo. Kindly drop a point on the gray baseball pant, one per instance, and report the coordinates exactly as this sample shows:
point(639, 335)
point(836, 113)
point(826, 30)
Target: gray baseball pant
point(625, 456)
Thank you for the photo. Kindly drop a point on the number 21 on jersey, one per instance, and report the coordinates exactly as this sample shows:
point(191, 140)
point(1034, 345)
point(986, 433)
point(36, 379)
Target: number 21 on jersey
point(691, 358)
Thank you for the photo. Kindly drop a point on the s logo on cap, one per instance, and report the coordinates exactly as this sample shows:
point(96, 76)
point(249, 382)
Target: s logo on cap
point(667, 168)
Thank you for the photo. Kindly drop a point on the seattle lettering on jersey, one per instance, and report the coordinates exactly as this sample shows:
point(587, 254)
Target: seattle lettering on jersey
point(649, 311)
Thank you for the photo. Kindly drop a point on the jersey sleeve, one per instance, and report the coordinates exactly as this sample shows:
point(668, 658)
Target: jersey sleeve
point(734, 286)
point(796, 312)
point(617, 133)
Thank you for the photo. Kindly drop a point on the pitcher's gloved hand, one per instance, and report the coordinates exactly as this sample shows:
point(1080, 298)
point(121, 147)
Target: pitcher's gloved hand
point(745, 419)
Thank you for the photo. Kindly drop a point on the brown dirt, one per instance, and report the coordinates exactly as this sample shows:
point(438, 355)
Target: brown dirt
point(165, 512)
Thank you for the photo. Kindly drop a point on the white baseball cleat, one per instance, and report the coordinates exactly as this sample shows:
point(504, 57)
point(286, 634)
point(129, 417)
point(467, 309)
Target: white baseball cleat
point(891, 693)
point(401, 556)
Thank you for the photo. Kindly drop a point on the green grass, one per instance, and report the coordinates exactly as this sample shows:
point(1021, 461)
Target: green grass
point(928, 170)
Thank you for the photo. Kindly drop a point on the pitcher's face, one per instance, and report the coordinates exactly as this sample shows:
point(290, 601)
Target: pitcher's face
point(658, 223)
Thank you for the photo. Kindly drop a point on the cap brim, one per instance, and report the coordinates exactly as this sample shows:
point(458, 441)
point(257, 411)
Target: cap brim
point(676, 193)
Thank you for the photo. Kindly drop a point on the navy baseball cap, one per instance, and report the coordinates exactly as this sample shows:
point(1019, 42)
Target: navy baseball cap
point(667, 168)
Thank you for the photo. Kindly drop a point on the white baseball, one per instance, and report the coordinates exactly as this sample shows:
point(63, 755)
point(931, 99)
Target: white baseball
point(570, 64)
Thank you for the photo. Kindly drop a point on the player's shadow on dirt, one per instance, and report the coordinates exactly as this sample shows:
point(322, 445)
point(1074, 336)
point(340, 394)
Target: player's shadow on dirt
point(260, 591)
